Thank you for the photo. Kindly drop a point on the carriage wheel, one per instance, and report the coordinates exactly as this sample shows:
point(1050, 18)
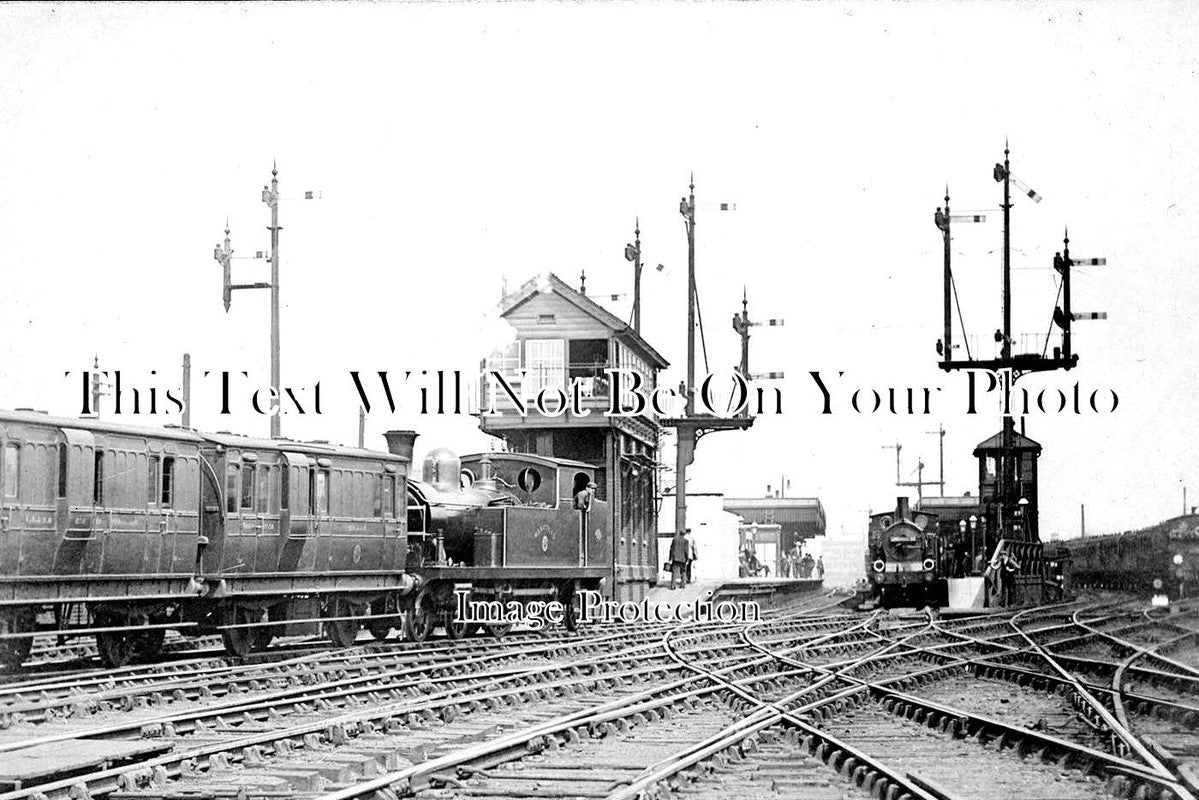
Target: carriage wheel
point(115, 647)
point(14, 651)
point(419, 619)
point(148, 644)
point(242, 642)
point(342, 632)
point(570, 611)
point(380, 627)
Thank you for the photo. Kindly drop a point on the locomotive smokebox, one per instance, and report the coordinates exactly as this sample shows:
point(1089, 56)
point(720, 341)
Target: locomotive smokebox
point(901, 508)
point(401, 443)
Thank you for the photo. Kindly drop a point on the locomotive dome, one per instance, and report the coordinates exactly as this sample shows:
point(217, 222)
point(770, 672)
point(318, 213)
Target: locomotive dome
point(441, 469)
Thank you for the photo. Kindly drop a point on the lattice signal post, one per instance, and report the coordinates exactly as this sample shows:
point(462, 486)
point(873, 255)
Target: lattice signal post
point(1010, 509)
point(224, 256)
point(742, 325)
point(691, 426)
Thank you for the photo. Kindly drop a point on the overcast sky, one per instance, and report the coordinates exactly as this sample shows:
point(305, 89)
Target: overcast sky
point(457, 144)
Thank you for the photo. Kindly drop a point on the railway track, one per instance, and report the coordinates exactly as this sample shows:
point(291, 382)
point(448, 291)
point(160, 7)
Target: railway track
point(810, 702)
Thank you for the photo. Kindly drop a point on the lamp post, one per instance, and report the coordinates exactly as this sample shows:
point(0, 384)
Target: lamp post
point(961, 538)
point(973, 542)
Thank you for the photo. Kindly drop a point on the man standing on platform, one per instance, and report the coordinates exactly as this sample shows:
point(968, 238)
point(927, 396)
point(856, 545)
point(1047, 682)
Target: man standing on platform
point(678, 560)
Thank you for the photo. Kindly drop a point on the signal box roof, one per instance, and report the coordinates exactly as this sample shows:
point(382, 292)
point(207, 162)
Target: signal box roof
point(995, 444)
point(552, 283)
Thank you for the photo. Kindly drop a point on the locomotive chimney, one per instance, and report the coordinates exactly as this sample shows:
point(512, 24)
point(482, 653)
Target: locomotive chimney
point(401, 443)
point(901, 509)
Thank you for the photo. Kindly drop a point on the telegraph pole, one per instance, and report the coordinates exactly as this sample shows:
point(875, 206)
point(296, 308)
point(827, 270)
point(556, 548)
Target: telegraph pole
point(940, 434)
point(270, 196)
point(687, 208)
point(632, 252)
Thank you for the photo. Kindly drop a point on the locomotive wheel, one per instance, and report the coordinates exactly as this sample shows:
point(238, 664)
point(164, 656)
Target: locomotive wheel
point(342, 632)
point(14, 651)
point(456, 629)
point(420, 619)
point(115, 647)
point(242, 642)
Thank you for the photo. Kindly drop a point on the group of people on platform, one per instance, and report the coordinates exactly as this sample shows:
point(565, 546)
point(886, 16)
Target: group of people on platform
point(684, 554)
point(794, 564)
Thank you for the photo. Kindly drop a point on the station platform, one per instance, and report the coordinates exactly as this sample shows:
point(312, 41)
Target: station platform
point(767, 592)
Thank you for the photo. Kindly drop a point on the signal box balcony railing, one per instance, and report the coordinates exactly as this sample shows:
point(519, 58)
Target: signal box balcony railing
point(592, 380)
point(1030, 352)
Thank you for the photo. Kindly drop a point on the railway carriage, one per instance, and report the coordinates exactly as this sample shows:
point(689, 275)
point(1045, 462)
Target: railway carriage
point(124, 532)
point(1161, 559)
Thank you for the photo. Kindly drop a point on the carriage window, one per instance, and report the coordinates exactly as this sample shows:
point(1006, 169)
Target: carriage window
point(311, 491)
point(231, 473)
point(12, 461)
point(380, 494)
point(152, 481)
point(264, 490)
point(168, 480)
point(247, 487)
point(285, 488)
point(62, 470)
point(389, 494)
point(98, 480)
point(322, 492)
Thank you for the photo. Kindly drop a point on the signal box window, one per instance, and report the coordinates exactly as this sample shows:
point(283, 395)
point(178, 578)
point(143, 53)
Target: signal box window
point(98, 480)
point(168, 481)
point(12, 463)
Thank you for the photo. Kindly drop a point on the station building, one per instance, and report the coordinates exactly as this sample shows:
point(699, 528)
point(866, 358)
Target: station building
point(799, 518)
point(564, 339)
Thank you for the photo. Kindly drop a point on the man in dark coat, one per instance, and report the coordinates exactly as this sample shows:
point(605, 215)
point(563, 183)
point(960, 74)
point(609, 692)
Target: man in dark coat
point(678, 560)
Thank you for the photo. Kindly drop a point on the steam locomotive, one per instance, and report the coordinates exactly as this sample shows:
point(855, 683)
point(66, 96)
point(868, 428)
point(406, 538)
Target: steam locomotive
point(902, 557)
point(124, 532)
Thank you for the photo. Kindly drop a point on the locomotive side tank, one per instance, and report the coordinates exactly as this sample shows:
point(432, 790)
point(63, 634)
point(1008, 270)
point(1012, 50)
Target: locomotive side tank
point(902, 555)
point(502, 528)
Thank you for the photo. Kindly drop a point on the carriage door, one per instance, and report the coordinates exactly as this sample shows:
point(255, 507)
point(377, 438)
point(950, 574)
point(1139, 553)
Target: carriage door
point(212, 515)
point(318, 505)
point(78, 497)
point(295, 515)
